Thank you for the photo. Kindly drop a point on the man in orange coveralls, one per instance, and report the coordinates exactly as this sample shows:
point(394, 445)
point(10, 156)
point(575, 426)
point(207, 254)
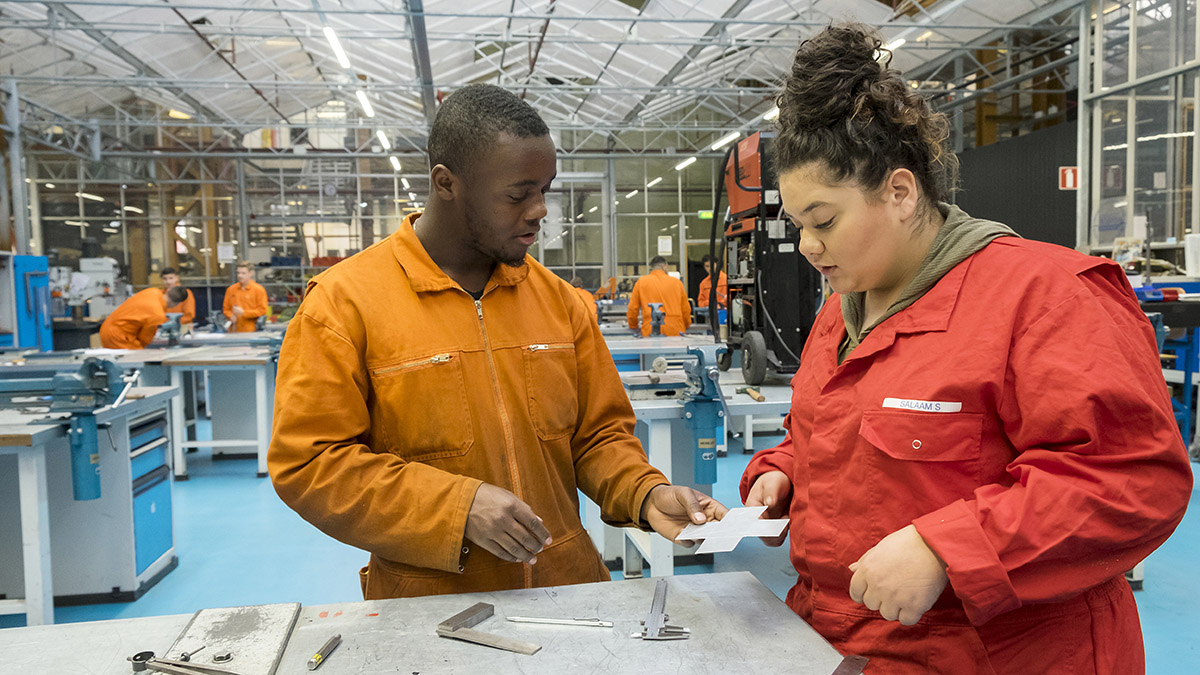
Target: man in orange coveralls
point(133, 324)
point(187, 308)
point(706, 286)
point(658, 286)
point(245, 301)
point(442, 397)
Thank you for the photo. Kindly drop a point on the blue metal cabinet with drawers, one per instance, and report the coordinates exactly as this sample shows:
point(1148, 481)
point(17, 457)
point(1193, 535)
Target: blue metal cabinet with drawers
point(114, 548)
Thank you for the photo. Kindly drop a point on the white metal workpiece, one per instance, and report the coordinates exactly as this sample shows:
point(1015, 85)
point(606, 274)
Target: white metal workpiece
point(735, 624)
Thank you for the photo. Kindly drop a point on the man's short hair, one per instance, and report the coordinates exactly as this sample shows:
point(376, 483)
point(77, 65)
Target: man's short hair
point(245, 263)
point(167, 270)
point(470, 119)
point(706, 259)
point(658, 261)
point(577, 282)
point(176, 295)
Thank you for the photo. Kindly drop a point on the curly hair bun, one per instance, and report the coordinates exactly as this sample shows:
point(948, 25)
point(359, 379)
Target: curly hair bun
point(843, 105)
point(829, 74)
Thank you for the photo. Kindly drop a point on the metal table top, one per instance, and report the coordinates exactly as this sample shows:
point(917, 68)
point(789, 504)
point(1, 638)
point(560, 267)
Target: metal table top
point(737, 625)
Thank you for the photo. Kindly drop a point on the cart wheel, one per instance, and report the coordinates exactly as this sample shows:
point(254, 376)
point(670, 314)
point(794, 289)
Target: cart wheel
point(725, 360)
point(754, 358)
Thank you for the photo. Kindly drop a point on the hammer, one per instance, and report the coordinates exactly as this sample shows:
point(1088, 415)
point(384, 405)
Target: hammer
point(752, 393)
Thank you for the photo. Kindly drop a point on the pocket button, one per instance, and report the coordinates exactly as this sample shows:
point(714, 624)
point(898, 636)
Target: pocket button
point(916, 444)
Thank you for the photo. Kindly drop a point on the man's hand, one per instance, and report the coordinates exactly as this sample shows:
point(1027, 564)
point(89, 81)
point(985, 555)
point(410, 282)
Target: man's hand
point(773, 490)
point(505, 526)
point(670, 508)
point(238, 311)
point(901, 577)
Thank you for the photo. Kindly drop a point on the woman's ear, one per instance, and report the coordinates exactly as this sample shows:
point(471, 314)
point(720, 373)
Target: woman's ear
point(902, 193)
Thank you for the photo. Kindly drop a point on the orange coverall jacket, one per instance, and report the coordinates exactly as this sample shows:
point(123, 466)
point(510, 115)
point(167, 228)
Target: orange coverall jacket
point(706, 290)
point(133, 324)
point(187, 308)
point(398, 394)
point(589, 301)
point(658, 286)
point(252, 298)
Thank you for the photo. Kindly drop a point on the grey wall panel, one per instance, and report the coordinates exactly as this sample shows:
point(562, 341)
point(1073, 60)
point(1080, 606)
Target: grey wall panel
point(1015, 182)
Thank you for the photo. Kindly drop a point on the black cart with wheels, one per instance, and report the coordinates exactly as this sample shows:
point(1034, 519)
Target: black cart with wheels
point(774, 294)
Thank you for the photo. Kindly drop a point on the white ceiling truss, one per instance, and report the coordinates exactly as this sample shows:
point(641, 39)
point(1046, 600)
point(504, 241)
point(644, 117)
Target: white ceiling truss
point(100, 75)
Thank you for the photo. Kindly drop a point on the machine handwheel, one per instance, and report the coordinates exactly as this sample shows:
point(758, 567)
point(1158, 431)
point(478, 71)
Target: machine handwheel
point(724, 361)
point(754, 358)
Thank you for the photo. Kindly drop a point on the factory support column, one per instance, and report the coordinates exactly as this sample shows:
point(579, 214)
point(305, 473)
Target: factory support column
point(20, 208)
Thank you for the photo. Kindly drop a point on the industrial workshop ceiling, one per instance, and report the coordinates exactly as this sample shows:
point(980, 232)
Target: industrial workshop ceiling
point(212, 75)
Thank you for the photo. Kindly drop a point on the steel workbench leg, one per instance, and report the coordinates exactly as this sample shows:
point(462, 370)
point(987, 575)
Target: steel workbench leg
point(35, 537)
point(178, 428)
point(261, 421)
point(662, 552)
point(1190, 359)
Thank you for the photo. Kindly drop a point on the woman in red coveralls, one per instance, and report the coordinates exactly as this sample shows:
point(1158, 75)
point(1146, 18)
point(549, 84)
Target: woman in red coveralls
point(980, 441)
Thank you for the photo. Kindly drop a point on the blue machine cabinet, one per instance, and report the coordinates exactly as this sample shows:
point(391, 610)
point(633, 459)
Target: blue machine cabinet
point(25, 321)
point(115, 548)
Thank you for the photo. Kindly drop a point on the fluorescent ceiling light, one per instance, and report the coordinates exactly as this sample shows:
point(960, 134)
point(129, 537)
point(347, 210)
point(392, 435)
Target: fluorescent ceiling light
point(366, 105)
point(593, 209)
point(134, 209)
point(111, 231)
point(85, 195)
point(771, 114)
point(925, 36)
point(197, 230)
point(726, 140)
point(395, 162)
point(178, 114)
point(412, 196)
point(49, 186)
point(631, 194)
point(77, 223)
point(654, 182)
point(895, 44)
point(383, 140)
point(404, 182)
point(685, 163)
point(579, 216)
point(342, 59)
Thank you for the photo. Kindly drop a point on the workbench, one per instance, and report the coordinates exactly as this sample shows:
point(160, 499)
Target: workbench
point(737, 626)
point(28, 443)
point(234, 374)
point(647, 348)
point(669, 447)
point(117, 541)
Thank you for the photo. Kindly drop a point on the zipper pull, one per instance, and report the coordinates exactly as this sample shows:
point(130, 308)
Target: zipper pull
point(535, 348)
point(479, 309)
point(440, 358)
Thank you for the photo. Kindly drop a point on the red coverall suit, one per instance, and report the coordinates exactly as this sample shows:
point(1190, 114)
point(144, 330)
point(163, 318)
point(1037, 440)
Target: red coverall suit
point(1017, 415)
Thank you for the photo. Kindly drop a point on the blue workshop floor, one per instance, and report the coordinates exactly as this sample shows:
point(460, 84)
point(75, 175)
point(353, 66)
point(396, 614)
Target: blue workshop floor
point(239, 545)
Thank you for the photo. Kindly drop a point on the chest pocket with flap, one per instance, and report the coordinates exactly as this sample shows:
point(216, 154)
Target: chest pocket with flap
point(551, 383)
point(420, 407)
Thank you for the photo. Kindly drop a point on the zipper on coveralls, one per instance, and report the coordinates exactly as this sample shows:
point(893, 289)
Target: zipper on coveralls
point(440, 358)
point(509, 443)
